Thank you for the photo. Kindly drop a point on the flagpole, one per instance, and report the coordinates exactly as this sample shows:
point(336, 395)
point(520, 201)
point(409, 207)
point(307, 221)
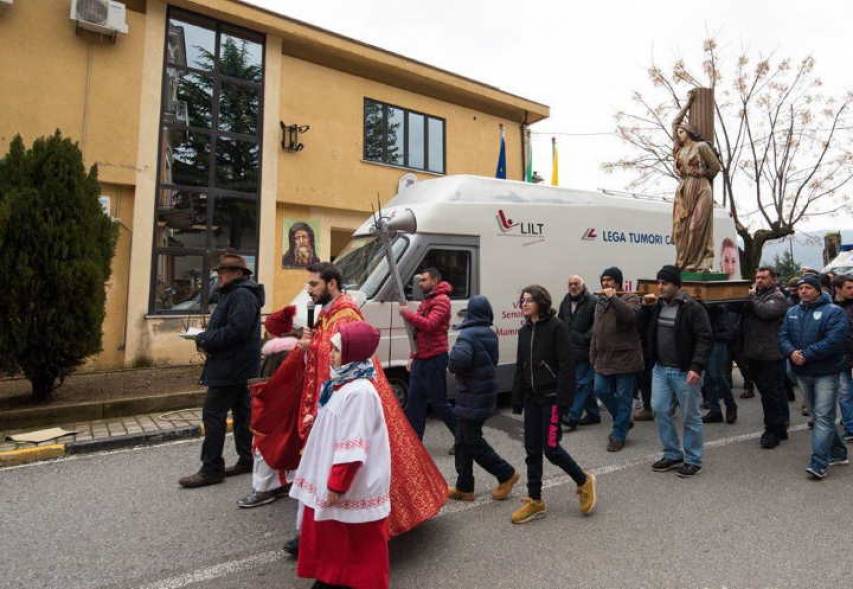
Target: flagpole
point(555, 163)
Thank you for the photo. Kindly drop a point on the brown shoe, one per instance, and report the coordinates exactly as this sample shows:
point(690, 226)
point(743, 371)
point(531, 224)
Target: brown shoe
point(503, 490)
point(614, 445)
point(239, 468)
point(457, 495)
point(644, 415)
point(200, 479)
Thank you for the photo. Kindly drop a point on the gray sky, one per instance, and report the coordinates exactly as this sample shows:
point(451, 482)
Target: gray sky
point(585, 59)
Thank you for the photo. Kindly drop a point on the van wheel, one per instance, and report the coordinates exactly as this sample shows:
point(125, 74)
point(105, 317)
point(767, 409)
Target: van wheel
point(400, 384)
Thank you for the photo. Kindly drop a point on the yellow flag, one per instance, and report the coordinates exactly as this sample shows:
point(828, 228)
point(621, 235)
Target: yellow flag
point(555, 163)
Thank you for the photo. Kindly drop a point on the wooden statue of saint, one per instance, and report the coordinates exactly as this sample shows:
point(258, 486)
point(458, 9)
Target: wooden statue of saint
point(693, 211)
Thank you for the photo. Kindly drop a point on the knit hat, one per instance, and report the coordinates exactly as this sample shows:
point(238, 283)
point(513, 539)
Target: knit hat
point(671, 274)
point(811, 279)
point(356, 341)
point(614, 273)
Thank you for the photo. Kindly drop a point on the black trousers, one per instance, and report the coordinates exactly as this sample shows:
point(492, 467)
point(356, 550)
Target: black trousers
point(542, 433)
point(768, 377)
point(644, 383)
point(470, 448)
point(218, 402)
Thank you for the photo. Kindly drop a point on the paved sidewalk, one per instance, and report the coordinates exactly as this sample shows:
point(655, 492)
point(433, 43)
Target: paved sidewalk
point(92, 436)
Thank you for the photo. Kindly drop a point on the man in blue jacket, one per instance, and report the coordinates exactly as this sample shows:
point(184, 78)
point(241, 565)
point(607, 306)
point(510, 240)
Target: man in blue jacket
point(813, 336)
point(473, 360)
point(232, 343)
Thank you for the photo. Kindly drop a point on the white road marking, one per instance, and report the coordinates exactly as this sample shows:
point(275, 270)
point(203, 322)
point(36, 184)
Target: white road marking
point(243, 564)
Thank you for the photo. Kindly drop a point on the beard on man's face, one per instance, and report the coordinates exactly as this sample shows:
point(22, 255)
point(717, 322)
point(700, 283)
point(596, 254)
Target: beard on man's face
point(323, 297)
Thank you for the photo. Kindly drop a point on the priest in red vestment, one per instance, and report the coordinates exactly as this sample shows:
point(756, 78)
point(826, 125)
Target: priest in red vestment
point(418, 489)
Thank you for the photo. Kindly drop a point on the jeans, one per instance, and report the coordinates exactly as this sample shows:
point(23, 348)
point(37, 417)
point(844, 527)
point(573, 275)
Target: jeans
point(822, 394)
point(428, 387)
point(845, 400)
point(470, 448)
point(216, 405)
point(668, 386)
point(616, 391)
point(542, 433)
point(584, 398)
point(769, 380)
point(718, 377)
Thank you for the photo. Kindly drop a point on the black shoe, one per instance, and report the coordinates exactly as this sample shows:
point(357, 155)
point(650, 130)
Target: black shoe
point(688, 470)
point(769, 440)
point(731, 414)
point(292, 547)
point(241, 467)
point(589, 420)
point(712, 417)
point(200, 479)
point(665, 464)
point(782, 434)
point(570, 425)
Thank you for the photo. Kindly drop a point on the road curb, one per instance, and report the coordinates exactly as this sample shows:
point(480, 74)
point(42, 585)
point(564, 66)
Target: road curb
point(34, 454)
point(131, 440)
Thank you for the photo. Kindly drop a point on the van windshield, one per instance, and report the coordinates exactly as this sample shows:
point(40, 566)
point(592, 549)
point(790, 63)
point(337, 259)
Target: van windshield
point(360, 257)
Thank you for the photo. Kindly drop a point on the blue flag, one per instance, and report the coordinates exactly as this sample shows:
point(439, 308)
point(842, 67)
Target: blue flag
point(501, 170)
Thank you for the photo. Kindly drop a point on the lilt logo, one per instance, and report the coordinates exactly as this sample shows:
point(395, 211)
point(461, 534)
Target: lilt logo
point(589, 234)
point(512, 228)
point(504, 222)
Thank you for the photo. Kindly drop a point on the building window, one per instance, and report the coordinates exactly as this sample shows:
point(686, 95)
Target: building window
point(401, 137)
point(210, 158)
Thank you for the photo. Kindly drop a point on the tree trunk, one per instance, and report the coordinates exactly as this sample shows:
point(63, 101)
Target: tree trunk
point(753, 247)
point(43, 385)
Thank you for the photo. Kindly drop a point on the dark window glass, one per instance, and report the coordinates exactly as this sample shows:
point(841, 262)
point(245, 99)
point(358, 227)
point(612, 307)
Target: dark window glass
point(239, 108)
point(400, 137)
point(374, 143)
point(209, 166)
point(235, 223)
point(185, 158)
point(237, 164)
point(455, 268)
point(188, 99)
point(181, 220)
point(179, 283)
point(241, 58)
point(416, 140)
point(190, 45)
point(394, 150)
point(436, 145)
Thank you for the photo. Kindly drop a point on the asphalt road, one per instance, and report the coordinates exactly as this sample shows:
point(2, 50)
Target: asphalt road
point(751, 519)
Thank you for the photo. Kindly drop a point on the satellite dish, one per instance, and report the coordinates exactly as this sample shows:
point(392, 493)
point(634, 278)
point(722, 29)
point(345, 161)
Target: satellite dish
point(405, 181)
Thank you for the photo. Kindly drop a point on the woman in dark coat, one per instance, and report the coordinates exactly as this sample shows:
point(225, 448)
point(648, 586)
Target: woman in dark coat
point(473, 360)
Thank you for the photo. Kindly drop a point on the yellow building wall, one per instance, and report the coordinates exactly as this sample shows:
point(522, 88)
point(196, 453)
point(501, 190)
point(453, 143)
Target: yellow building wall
point(330, 170)
point(85, 86)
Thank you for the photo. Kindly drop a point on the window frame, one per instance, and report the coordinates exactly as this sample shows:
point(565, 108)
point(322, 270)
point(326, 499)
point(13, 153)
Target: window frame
point(210, 252)
point(406, 112)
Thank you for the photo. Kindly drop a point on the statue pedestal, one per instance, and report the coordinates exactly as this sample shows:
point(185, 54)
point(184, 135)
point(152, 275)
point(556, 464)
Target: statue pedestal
point(712, 288)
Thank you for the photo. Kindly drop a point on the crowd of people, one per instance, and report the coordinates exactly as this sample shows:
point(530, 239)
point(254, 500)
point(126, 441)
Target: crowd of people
point(326, 428)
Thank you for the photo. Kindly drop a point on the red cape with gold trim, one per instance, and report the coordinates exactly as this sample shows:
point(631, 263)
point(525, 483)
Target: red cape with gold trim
point(287, 403)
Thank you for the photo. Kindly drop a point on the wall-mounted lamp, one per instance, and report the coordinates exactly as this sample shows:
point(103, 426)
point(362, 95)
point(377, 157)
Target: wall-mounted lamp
point(290, 136)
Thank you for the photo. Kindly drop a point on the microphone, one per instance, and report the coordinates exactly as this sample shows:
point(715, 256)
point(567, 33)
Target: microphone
point(311, 306)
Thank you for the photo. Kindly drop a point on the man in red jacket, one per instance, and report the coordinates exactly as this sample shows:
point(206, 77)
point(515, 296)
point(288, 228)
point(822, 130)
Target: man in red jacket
point(427, 384)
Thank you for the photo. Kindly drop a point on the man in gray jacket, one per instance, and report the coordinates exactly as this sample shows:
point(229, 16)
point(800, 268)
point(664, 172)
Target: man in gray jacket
point(616, 353)
point(762, 318)
point(577, 311)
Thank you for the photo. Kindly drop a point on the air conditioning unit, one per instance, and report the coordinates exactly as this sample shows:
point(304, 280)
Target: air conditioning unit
point(101, 16)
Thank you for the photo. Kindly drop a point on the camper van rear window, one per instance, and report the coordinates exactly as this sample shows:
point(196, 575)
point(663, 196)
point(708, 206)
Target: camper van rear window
point(402, 137)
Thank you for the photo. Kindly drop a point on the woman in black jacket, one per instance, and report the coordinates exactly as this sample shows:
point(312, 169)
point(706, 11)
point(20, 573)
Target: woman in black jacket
point(542, 390)
point(473, 360)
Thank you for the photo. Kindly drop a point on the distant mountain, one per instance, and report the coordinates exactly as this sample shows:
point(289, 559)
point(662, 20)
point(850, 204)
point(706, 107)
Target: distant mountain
point(807, 247)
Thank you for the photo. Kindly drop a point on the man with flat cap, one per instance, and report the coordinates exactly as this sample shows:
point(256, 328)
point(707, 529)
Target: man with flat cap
point(232, 344)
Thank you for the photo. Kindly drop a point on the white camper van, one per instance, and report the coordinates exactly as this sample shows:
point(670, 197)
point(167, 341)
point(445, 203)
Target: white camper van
point(494, 237)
